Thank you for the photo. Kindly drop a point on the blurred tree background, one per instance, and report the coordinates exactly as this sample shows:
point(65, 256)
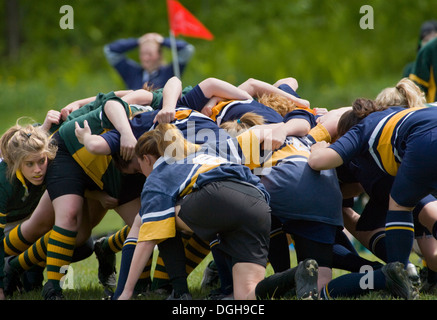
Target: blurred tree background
point(319, 42)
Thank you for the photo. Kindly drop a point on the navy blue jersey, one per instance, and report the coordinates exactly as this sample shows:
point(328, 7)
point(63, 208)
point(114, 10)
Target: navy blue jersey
point(133, 73)
point(195, 127)
point(402, 143)
point(169, 181)
point(299, 113)
point(235, 109)
point(296, 191)
point(385, 134)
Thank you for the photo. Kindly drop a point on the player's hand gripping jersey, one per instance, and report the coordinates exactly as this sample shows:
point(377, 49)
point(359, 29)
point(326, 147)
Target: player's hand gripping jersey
point(296, 191)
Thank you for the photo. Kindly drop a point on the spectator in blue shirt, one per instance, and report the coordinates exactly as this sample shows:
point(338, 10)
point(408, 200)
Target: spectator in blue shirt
point(151, 70)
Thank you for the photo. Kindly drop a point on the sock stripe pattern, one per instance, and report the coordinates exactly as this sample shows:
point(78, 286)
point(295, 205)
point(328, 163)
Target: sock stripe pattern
point(324, 293)
point(375, 239)
point(146, 272)
point(116, 241)
point(160, 271)
point(59, 251)
point(14, 242)
point(399, 230)
point(36, 254)
point(131, 241)
point(195, 251)
point(399, 226)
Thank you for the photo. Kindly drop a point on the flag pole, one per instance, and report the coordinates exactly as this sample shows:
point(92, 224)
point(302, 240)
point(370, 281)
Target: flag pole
point(174, 54)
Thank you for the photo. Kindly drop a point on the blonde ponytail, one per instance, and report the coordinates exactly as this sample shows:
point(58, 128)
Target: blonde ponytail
point(405, 93)
point(248, 120)
point(165, 140)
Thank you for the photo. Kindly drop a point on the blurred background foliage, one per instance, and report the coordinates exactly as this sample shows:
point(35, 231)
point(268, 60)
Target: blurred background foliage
point(319, 42)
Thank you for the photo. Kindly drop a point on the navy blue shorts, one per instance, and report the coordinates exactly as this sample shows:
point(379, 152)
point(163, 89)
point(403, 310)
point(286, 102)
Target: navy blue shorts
point(417, 174)
point(65, 175)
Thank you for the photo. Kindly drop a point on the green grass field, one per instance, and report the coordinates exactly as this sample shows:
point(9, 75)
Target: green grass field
point(86, 286)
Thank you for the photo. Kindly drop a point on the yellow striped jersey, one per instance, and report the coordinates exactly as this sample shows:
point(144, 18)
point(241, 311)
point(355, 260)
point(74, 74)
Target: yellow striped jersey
point(384, 135)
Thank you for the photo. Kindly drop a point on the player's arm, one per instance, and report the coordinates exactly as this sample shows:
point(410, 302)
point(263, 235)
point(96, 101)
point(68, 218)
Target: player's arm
point(142, 254)
point(116, 114)
point(73, 106)
point(140, 96)
point(171, 92)
point(257, 88)
point(323, 158)
point(95, 144)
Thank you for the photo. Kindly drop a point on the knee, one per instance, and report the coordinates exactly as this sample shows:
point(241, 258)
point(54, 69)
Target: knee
point(68, 218)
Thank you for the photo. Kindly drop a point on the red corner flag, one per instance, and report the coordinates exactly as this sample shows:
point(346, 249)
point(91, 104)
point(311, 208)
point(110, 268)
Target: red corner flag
point(184, 23)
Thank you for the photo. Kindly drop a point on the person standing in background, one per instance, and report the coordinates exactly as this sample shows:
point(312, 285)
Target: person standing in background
point(424, 73)
point(152, 70)
point(428, 31)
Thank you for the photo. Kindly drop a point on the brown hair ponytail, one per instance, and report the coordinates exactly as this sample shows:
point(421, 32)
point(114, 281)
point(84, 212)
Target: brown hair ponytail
point(361, 108)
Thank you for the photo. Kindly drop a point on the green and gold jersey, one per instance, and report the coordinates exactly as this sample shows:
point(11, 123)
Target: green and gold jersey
point(18, 200)
point(99, 168)
point(425, 70)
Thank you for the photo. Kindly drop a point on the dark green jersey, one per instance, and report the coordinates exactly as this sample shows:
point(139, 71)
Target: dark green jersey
point(157, 97)
point(425, 70)
point(99, 168)
point(18, 199)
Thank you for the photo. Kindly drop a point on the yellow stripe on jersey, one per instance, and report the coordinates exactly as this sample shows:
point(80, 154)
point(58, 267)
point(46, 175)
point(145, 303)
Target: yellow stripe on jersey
point(182, 114)
point(157, 230)
point(201, 169)
point(218, 108)
point(385, 147)
point(286, 152)
point(430, 85)
point(431, 94)
point(21, 178)
point(250, 146)
point(94, 166)
point(418, 80)
point(319, 133)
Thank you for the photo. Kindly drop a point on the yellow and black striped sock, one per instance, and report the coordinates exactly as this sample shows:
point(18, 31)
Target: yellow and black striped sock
point(14, 242)
point(35, 255)
point(195, 251)
point(160, 275)
point(115, 241)
point(145, 275)
point(60, 249)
